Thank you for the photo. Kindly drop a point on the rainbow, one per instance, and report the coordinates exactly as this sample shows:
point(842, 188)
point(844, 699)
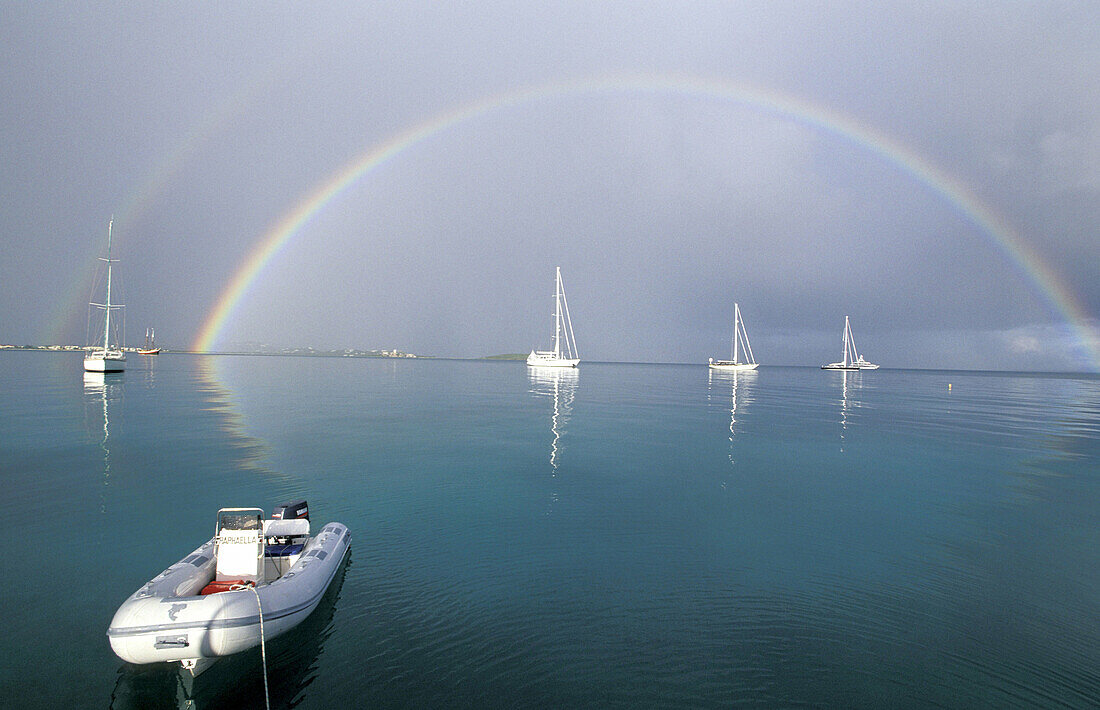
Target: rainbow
point(1029, 264)
point(149, 191)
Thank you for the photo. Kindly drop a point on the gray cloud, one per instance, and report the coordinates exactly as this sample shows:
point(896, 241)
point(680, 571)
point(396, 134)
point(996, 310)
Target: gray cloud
point(204, 125)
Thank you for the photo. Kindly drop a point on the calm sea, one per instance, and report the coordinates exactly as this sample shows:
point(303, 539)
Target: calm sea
point(618, 536)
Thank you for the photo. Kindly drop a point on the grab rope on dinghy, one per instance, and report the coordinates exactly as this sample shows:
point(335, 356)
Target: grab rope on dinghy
point(263, 647)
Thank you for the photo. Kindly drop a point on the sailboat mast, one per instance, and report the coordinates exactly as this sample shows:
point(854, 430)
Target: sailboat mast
point(107, 320)
point(557, 313)
point(847, 329)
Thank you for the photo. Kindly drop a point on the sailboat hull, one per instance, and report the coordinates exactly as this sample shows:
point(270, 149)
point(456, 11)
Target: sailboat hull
point(539, 359)
point(731, 366)
point(105, 363)
point(154, 351)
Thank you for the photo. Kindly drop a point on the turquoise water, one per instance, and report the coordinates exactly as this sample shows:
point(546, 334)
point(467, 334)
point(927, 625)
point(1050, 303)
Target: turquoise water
point(617, 536)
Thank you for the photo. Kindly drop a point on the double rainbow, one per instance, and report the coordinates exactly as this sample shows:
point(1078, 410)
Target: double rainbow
point(1002, 235)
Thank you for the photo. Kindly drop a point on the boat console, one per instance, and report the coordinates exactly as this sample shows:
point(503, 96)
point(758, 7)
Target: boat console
point(283, 543)
point(252, 551)
point(284, 536)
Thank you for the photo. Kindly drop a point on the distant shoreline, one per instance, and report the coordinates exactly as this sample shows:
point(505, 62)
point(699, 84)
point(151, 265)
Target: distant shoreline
point(508, 357)
point(282, 352)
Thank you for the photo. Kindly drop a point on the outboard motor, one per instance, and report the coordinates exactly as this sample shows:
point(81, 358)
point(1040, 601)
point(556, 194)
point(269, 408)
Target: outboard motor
point(294, 510)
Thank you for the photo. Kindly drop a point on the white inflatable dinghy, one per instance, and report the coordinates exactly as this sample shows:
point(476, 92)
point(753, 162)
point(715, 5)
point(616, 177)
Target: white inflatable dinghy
point(209, 604)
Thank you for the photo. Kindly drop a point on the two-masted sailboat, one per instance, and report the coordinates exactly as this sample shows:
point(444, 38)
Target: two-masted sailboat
point(740, 347)
point(852, 360)
point(564, 353)
point(106, 358)
point(150, 347)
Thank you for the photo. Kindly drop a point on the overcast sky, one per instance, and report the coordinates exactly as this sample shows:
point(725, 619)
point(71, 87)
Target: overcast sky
point(200, 125)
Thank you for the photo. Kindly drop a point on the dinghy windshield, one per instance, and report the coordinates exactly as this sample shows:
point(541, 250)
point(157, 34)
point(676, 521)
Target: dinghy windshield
point(239, 545)
point(240, 519)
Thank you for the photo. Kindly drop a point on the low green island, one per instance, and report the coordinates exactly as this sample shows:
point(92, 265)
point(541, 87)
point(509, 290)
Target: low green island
point(506, 356)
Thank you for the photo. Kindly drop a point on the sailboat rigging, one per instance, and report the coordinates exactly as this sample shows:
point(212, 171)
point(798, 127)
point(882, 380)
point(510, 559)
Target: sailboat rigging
point(106, 358)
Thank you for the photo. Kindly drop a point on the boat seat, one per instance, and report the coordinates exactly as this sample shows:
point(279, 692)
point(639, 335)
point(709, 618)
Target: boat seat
point(239, 555)
point(282, 550)
point(295, 527)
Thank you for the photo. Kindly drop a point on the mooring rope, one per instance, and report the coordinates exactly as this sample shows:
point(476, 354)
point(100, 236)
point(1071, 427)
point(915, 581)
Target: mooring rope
point(263, 646)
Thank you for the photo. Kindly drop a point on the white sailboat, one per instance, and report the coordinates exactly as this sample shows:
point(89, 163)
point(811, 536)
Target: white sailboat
point(564, 353)
point(852, 360)
point(740, 347)
point(106, 358)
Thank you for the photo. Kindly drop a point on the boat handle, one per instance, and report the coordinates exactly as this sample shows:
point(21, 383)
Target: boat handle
point(171, 642)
